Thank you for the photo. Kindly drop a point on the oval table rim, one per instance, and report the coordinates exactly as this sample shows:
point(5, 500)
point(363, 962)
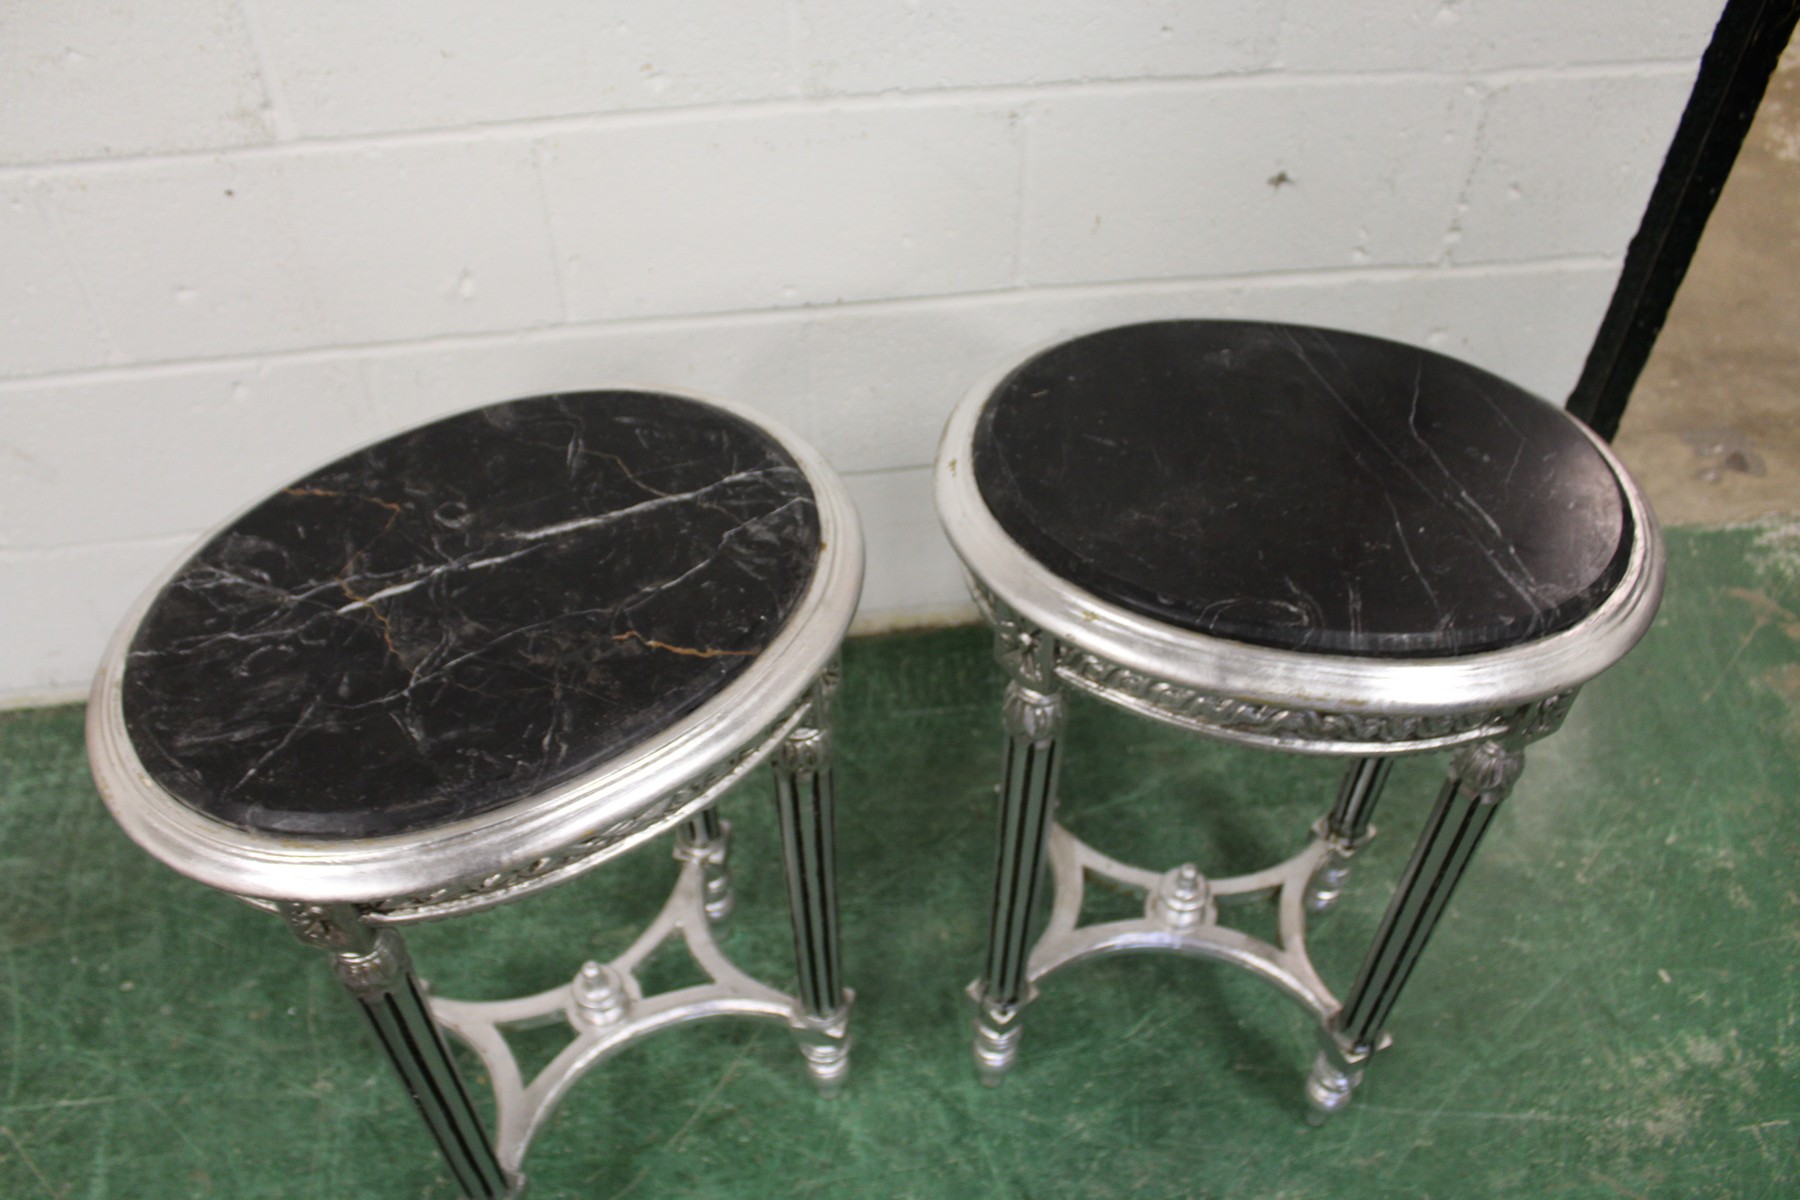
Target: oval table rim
point(1486, 680)
point(365, 870)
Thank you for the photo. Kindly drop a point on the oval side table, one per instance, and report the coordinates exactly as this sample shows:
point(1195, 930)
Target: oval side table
point(1293, 538)
point(475, 660)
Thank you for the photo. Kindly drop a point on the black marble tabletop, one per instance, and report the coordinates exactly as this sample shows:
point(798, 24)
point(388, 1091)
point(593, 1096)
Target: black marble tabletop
point(1302, 488)
point(469, 613)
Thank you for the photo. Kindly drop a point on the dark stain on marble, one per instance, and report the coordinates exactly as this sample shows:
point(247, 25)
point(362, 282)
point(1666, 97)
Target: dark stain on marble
point(469, 613)
point(1303, 488)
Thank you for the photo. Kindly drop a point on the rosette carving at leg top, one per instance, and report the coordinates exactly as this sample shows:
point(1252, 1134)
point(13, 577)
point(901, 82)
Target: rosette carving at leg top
point(1032, 714)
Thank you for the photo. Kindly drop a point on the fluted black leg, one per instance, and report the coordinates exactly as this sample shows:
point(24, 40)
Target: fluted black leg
point(1033, 713)
point(705, 839)
point(804, 798)
point(1481, 776)
point(374, 967)
point(1347, 828)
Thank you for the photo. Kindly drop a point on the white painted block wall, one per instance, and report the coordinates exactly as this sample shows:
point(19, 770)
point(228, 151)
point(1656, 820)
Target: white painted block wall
point(240, 237)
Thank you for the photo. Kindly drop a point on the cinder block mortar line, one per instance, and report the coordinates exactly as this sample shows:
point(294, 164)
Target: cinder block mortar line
point(1025, 118)
point(871, 472)
point(1478, 142)
point(699, 322)
point(174, 540)
point(274, 95)
point(1507, 76)
point(46, 211)
point(752, 110)
point(1275, 36)
point(796, 59)
point(557, 263)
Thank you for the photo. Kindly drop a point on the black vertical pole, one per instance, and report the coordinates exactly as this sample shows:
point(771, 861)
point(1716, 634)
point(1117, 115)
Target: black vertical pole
point(1734, 73)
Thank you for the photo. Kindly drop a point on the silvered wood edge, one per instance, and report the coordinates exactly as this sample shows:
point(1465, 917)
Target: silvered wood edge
point(1489, 682)
point(371, 871)
point(1292, 728)
point(479, 892)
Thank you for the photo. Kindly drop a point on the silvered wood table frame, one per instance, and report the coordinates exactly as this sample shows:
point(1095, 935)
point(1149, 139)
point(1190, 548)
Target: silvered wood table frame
point(350, 898)
point(1052, 636)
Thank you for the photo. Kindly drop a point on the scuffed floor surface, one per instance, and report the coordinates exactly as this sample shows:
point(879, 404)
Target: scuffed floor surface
point(1609, 1010)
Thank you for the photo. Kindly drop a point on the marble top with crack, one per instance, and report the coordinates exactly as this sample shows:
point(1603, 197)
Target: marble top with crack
point(1303, 488)
point(469, 613)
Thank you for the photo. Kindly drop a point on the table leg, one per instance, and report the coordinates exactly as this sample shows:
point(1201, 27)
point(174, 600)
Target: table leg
point(1033, 714)
point(1481, 776)
point(804, 798)
point(1346, 827)
point(374, 967)
point(705, 839)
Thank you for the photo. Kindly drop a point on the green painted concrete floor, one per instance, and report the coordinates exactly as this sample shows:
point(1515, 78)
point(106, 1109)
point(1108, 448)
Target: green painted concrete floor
point(1610, 1009)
